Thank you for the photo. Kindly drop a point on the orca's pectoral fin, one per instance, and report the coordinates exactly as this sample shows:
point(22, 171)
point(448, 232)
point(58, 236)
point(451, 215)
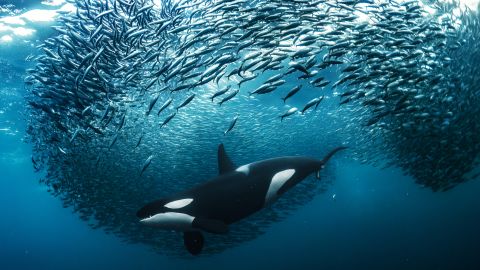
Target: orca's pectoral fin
point(210, 225)
point(225, 165)
point(193, 242)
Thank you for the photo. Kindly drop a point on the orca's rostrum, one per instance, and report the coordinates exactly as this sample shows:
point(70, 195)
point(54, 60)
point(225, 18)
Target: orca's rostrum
point(234, 194)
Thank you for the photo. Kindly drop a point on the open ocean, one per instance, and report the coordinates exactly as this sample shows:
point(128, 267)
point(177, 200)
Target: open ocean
point(367, 217)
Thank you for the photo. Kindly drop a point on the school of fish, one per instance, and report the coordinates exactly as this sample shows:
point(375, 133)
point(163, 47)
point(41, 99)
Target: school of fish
point(122, 84)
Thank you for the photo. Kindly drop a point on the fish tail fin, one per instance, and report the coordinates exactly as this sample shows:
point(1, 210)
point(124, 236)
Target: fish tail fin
point(239, 73)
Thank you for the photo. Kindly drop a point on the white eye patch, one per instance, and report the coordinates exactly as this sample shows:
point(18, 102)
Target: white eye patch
point(178, 203)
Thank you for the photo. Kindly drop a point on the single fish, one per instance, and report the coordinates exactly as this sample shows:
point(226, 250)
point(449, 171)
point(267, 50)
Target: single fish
point(289, 112)
point(146, 164)
point(292, 92)
point(185, 102)
point(227, 98)
point(232, 124)
point(170, 117)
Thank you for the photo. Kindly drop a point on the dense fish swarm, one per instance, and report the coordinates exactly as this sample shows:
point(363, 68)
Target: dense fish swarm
point(126, 83)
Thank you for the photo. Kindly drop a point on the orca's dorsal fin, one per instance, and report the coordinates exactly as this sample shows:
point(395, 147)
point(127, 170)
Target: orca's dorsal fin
point(225, 165)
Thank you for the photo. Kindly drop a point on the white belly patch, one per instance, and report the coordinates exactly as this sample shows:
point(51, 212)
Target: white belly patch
point(170, 221)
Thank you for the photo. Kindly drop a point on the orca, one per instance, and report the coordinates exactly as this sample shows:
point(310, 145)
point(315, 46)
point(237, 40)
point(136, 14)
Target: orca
point(234, 194)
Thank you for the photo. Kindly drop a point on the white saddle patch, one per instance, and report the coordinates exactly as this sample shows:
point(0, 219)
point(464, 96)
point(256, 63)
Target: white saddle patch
point(178, 203)
point(278, 180)
point(244, 169)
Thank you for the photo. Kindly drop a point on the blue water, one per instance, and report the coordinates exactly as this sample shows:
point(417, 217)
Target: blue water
point(379, 219)
point(369, 218)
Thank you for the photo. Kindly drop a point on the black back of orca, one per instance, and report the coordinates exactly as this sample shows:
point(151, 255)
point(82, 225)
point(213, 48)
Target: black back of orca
point(235, 195)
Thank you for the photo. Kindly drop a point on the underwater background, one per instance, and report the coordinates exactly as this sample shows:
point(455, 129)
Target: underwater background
point(366, 216)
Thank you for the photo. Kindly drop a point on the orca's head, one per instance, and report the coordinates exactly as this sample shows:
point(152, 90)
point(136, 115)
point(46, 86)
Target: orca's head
point(166, 214)
point(151, 209)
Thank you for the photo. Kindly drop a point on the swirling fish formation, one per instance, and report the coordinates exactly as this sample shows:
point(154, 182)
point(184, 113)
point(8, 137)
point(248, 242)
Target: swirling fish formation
point(120, 77)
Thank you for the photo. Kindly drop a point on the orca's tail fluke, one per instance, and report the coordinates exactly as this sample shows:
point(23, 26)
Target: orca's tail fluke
point(327, 158)
point(333, 152)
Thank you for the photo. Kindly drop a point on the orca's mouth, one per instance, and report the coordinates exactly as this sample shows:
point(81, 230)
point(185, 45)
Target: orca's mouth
point(151, 219)
point(146, 219)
